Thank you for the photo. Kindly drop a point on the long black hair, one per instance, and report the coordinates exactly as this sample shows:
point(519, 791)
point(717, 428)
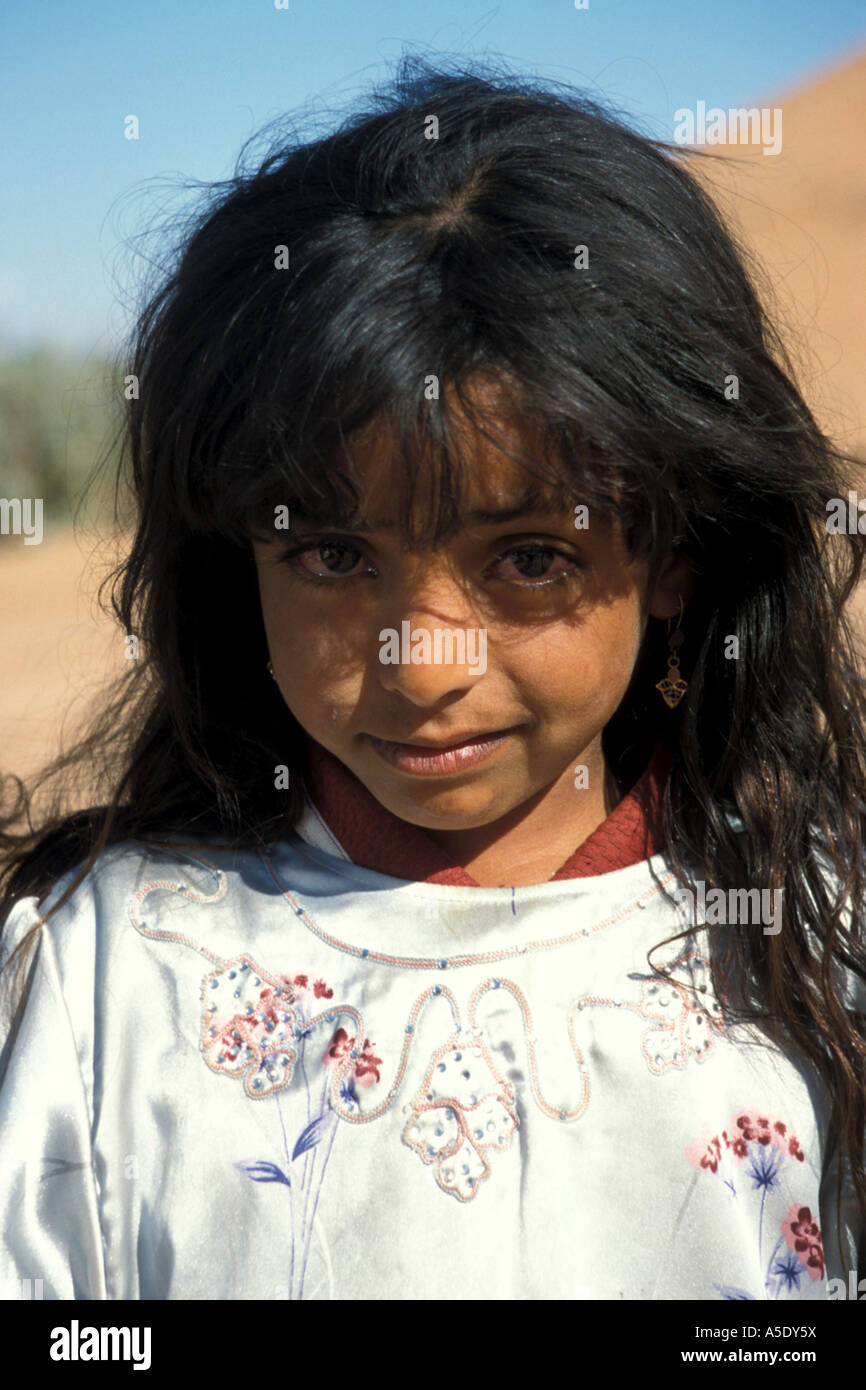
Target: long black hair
point(466, 223)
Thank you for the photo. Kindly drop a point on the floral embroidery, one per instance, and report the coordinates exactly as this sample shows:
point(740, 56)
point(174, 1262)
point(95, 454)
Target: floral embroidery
point(255, 1028)
point(249, 1023)
point(462, 1109)
point(249, 1017)
point(804, 1238)
point(366, 1069)
point(756, 1148)
point(686, 1018)
point(744, 1130)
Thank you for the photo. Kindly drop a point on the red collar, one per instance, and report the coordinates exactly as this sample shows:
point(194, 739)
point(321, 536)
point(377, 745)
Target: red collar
point(376, 839)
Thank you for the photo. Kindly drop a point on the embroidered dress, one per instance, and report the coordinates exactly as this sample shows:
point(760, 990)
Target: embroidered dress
point(285, 1075)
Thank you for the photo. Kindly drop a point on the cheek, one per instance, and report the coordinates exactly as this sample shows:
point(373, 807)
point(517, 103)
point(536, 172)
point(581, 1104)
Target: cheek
point(587, 669)
point(324, 666)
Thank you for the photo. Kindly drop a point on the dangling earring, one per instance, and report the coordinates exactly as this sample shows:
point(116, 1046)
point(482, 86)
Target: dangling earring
point(270, 670)
point(673, 687)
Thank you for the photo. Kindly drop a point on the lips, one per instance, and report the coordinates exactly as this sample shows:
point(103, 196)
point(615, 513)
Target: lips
point(440, 759)
point(457, 742)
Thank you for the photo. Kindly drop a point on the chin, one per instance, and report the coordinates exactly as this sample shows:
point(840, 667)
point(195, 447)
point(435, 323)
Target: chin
point(448, 809)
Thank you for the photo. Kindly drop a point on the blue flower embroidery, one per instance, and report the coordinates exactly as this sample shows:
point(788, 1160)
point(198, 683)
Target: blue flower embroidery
point(764, 1146)
point(788, 1270)
point(257, 1028)
point(764, 1168)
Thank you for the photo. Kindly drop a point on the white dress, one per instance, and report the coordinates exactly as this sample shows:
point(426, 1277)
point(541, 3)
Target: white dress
point(284, 1076)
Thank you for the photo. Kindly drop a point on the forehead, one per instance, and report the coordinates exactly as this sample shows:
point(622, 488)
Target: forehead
point(486, 466)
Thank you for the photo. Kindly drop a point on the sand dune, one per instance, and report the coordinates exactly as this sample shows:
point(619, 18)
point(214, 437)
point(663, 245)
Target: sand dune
point(803, 213)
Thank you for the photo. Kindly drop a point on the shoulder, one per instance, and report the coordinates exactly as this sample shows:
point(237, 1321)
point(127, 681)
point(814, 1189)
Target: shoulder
point(83, 914)
point(97, 949)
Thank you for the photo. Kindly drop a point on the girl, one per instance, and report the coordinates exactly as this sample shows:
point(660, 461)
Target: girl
point(477, 909)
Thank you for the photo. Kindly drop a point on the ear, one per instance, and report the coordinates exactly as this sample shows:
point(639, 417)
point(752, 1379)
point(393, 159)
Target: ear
point(675, 581)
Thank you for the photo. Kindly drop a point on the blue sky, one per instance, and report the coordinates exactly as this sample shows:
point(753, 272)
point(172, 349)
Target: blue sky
point(203, 75)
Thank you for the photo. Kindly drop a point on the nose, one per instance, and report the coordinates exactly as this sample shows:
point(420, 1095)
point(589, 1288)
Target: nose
point(425, 659)
point(432, 650)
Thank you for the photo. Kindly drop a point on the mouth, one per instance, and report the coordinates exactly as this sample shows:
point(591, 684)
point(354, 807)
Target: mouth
point(427, 759)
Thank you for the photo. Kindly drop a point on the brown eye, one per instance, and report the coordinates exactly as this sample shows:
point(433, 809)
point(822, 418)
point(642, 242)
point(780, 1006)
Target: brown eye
point(335, 559)
point(325, 561)
point(535, 564)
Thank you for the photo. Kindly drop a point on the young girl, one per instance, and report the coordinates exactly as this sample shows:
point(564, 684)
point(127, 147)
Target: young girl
point(477, 911)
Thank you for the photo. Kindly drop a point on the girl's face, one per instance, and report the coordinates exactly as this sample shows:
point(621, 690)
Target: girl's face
point(544, 625)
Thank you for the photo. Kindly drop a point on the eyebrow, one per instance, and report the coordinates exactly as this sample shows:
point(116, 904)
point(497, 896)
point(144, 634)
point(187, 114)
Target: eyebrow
point(531, 504)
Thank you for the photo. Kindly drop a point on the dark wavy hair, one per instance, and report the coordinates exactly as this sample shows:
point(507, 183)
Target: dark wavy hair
point(434, 233)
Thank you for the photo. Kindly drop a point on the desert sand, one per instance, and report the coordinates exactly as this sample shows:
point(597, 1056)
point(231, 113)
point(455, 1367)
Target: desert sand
point(802, 212)
point(57, 648)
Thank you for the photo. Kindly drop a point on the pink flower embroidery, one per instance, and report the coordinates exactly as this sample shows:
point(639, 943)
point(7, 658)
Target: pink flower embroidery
point(366, 1068)
point(686, 1016)
point(804, 1238)
point(743, 1130)
point(462, 1109)
point(320, 989)
point(755, 1152)
point(250, 1022)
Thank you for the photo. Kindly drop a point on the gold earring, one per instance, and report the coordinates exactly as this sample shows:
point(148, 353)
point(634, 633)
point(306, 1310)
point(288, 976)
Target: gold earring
point(270, 670)
point(673, 687)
